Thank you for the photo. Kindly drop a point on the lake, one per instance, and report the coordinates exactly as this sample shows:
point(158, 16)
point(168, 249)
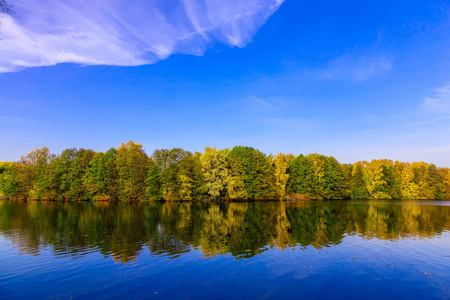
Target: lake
point(263, 250)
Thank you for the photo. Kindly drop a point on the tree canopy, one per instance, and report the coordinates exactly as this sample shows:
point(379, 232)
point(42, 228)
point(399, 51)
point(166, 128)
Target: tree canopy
point(242, 173)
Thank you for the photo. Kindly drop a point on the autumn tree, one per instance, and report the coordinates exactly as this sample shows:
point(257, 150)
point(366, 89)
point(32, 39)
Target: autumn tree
point(328, 178)
point(127, 173)
point(359, 190)
point(172, 174)
point(436, 182)
point(281, 164)
point(235, 182)
point(131, 164)
point(408, 188)
point(190, 177)
point(425, 190)
point(38, 161)
point(393, 179)
point(445, 182)
point(215, 173)
point(9, 185)
point(374, 179)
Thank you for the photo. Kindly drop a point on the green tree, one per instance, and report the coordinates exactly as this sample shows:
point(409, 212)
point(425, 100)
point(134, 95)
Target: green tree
point(153, 181)
point(99, 180)
point(337, 183)
point(73, 177)
point(190, 177)
point(9, 186)
point(61, 167)
point(38, 161)
point(393, 179)
point(255, 170)
point(131, 163)
point(301, 174)
point(359, 190)
point(171, 175)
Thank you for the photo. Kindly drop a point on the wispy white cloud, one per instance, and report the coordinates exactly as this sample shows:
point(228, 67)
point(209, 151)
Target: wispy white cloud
point(260, 103)
point(118, 32)
point(440, 102)
point(358, 68)
point(427, 122)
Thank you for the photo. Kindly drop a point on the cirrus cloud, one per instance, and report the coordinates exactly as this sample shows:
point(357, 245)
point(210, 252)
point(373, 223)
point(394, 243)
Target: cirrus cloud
point(440, 102)
point(123, 33)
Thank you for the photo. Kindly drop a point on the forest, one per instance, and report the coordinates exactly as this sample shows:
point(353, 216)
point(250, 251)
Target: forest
point(240, 174)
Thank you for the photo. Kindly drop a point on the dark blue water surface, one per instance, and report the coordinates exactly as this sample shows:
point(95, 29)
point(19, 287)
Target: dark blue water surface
point(317, 250)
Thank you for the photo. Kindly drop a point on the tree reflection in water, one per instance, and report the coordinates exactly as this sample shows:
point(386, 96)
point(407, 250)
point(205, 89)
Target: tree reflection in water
point(122, 230)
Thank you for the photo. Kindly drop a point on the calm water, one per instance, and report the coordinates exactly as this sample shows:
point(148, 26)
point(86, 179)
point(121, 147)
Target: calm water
point(325, 250)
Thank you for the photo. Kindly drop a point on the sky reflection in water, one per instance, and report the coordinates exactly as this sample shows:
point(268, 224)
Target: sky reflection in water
point(344, 250)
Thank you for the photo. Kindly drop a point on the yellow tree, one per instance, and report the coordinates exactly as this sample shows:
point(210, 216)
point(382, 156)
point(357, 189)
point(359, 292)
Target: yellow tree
point(215, 173)
point(189, 177)
point(318, 167)
point(445, 175)
point(374, 179)
point(408, 187)
point(281, 164)
point(283, 238)
point(421, 178)
point(376, 222)
point(235, 188)
point(185, 187)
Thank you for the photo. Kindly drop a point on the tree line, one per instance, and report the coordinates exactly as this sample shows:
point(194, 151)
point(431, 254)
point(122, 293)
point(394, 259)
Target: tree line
point(242, 173)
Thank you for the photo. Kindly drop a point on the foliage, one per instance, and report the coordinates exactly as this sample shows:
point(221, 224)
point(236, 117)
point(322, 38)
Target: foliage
point(100, 178)
point(281, 164)
point(131, 163)
point(255, 170)
point(215, 172)
point(242, 173)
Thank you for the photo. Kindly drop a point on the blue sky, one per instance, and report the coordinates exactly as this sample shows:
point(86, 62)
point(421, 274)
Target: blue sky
point(356, 80)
